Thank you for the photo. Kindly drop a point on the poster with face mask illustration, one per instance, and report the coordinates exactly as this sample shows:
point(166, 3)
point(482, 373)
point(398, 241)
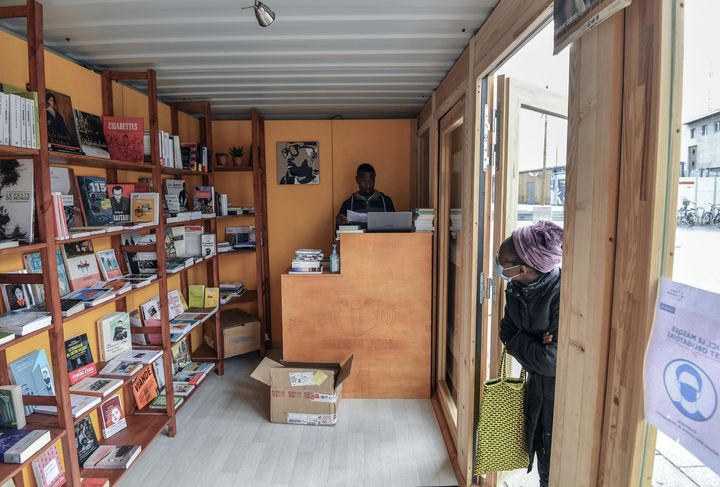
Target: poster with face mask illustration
point(298, 163)
point(682, 369)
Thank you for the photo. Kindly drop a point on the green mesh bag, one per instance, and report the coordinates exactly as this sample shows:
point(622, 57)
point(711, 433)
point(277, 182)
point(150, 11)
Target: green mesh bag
point(501, 434)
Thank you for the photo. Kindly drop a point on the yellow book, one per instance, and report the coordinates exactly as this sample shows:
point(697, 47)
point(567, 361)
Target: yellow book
point(144, 208)
point(212, 297)
point(196, 295)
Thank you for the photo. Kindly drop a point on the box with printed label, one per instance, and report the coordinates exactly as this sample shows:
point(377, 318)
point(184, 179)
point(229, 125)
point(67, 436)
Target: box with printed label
point(305, 393)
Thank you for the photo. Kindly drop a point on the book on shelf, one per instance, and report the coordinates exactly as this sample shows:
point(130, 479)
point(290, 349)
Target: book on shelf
point(175, 242)
point(138, 280)
point(196, 295)
point(61, 230)
point(113, 335)
point(141, 262)
point(116, 286)
point(12, 410)
point(91, 135)
point(175, 304)
point(109, 265)
point(180, 355)
point(62, 179)
point(145, 208)
point(159, 371)
point(201, 367)
point(173, 266)
point(18, 297)
point(112, 416)
point(193, 240)
point(148, 317)
point(119, 194)
point(80, 363)
point(140, 356)
point(9, 244)
point(160, 402)
point(17, 200)
point(137, 238)
point(94, 200)
point(212, 297)
point(96, 386)
point(17, 446)
point(69, 307)
point(144, 387)
point(112, 457)
point(124, 136)
point(80, 404)
point(120, 368)
point(48, 469)
point(6, 337)
point(91, 297)
point(62, 133)
point(80, 264)
point(176, 197)
point(19, 119)
point(183, 390)
point(208, 244)
point(205, 200)
point(86, 441)
point(191, 378)
point(33, 264)
point(25, 322)
point(221, 204)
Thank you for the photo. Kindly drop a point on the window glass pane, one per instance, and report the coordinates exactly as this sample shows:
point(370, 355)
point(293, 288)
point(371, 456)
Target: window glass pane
point(695, 263)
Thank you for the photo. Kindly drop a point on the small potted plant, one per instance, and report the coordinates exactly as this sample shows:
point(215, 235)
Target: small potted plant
point(237, 154)
point(222, 159)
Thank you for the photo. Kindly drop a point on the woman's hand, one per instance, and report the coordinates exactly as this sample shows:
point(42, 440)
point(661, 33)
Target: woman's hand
point(547, 338)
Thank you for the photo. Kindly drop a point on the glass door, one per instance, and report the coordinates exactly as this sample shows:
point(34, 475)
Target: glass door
point(450, 260)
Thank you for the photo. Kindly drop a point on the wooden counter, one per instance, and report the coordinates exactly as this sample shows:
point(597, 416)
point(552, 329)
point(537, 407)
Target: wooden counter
point(378, 307)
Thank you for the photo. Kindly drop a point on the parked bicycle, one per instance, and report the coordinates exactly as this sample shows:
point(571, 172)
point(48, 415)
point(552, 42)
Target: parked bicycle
point(687, 214)
point(711, 216)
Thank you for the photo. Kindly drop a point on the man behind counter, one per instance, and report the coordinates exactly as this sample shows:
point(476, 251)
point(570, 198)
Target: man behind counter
point(366, 199)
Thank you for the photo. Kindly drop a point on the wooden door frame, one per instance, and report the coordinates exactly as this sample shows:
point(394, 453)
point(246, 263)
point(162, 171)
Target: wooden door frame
point(451, 121)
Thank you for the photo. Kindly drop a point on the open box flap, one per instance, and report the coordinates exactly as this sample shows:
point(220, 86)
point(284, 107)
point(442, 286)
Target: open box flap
point(262, 371)
point(345, 369)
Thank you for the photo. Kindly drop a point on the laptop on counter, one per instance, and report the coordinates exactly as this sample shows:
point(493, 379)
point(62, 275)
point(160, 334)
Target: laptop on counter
point(391, 221)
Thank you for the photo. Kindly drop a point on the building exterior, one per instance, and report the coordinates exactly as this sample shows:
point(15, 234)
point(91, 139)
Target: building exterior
point(701, 142)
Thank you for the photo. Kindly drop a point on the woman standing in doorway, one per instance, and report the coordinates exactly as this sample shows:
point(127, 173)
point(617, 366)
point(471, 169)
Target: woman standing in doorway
point(528, 261)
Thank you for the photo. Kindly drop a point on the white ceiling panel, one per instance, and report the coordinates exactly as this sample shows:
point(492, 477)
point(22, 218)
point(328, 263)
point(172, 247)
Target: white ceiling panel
point(320, 58)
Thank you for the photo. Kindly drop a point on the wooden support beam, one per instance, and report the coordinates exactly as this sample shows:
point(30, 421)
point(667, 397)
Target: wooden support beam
point(40, 400)
point(18, 278)
point(130, 75)
point(13, 12)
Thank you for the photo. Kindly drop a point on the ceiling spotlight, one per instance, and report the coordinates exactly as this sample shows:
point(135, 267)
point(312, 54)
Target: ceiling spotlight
point(264, 15)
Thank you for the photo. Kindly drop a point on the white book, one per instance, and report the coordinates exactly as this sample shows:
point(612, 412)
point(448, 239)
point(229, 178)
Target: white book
point(25, 448)
point(24, 323)
point(140, 356)
point(15, 121)
point(114, 335)
point(82, 404)
point(30, 137)
point(4, 120)
point(96, 386)
point(22, 106)
point(177, 155)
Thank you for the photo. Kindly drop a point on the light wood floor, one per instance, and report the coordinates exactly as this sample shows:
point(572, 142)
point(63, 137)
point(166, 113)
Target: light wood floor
point(225, 439)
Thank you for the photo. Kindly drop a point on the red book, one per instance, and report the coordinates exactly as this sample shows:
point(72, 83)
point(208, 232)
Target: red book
point(144, 387)
point(124, 136)
point(94, 482)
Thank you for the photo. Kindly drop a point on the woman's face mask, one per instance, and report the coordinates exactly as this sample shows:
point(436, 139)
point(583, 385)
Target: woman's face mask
point(500, 271)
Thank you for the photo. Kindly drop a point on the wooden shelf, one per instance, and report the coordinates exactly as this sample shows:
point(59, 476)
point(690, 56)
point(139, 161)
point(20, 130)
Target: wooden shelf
point(20, 339)
point(182, 172)
point(189, 310)
point(187, 398)
point(67, 159)
point(238, 251)
point(188, 222)
point(104, 235)
point(22, 249)
point(232, 169)
point(249, 296)
point(9, 152)
point(141, 430)
point(9, 470)
point(204, 353)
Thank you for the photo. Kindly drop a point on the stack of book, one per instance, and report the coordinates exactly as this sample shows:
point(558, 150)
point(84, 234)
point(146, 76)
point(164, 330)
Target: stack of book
point(19, 120)
point(240, 238)
point(424, 219)
point(194, 157)
point(348, 229)
point(307, 261)
point(230, 290)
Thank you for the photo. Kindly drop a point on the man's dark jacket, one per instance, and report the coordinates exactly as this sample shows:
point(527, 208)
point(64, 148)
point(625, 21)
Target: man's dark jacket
point(530, 312)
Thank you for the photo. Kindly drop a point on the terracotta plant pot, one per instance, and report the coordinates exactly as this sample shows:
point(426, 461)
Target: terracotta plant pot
point(238, 161)
point(222, 159)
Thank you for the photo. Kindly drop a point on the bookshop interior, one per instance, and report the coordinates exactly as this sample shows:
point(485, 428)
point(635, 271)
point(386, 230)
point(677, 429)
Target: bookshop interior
point(359, 243)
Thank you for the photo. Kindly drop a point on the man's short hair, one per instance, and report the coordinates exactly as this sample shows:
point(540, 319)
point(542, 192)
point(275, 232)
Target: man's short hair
point(366, 168)
point(117, 188)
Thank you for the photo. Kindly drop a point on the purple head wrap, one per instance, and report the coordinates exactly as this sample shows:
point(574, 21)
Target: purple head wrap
point(539, 245)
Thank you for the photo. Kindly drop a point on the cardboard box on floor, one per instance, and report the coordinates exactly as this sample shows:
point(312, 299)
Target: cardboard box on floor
point(304, 392)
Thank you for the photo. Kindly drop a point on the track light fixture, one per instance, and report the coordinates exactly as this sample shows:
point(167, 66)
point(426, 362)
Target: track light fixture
point(264, 15)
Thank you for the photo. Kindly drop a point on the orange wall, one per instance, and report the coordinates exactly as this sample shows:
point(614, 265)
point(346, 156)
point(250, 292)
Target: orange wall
point(303, 216)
